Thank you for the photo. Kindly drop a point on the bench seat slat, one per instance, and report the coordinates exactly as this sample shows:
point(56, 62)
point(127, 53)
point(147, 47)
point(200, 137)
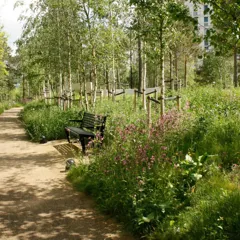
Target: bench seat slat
point(79, 131)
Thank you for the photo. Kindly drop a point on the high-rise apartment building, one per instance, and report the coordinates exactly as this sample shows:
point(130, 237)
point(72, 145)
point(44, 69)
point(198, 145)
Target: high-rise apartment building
point(204, 21)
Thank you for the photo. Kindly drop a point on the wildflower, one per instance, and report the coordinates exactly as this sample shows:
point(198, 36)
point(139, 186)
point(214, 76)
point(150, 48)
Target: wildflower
point(235, 166)
point(176, 165)
point(164, 148)
point(124, 162)
point(187, 106)
point(152, 158)
point(188, 158)
point(141, 182)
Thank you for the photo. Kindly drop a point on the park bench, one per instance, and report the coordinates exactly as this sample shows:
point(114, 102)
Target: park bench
point(88, 127)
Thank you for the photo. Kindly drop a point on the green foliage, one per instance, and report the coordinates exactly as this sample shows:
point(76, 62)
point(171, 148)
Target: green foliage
point(176, 180)
point(169, 177)
point(213, 213)
point(45, 120)
point(225, 29)
point(215, 70)
point(7, 105)
point(216, 128)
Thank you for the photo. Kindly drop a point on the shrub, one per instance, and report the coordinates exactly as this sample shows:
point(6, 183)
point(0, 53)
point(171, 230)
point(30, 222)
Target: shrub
point(45, 120)
point(214, 212)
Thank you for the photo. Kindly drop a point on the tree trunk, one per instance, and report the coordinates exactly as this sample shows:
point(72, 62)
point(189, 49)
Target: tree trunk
point(95, 80)
point(108, 83)
point(139, 63)
point(85, 89)
point(69, 69)
point(23, 90)
point(49, 88)
point(171, 71)
point(144, 79)
point(131, 61)
point(185, 71)
point(235, 76)
point(162, 68)
point(60, 83)
point(176, 72)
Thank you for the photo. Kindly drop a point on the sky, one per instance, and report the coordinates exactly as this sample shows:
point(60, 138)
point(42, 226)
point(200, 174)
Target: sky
point(9, 19)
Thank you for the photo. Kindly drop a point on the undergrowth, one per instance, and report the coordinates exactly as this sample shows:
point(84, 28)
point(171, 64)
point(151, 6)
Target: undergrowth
point(178, 179)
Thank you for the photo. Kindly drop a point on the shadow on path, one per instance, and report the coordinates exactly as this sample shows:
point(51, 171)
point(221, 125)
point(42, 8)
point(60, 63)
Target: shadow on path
point(36, 202)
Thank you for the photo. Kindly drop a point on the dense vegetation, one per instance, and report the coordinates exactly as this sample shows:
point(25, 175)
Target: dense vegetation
point(177, 180)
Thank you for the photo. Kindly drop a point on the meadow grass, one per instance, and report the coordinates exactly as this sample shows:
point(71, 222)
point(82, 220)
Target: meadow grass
point(174, 180)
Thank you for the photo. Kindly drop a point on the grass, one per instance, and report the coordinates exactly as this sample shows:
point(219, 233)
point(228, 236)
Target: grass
point(45, 120)
point(7, 105)
point(175, 180)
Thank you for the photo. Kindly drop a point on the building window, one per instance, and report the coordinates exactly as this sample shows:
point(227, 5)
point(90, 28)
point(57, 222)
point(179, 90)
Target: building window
point(205, 7)
point(205, 21)
point(195, 13)
point(206, 43)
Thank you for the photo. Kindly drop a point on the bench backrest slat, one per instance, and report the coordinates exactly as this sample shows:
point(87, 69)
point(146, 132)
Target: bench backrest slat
point(92, 121)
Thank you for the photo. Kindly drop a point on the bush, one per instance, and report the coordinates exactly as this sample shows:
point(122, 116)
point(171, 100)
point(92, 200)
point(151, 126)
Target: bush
point(7, 105)
point(167, 179)
point(147, 177)
point(138, 177)
point(214, 212)
point(45, 120)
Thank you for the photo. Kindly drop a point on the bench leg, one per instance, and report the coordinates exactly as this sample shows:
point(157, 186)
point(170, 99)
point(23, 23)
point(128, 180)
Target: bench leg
point(67, 134)
point(83, 144)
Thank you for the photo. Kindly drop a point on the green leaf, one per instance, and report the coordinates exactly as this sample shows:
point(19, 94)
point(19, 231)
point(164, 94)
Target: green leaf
point(149, 218)
point(172, 223)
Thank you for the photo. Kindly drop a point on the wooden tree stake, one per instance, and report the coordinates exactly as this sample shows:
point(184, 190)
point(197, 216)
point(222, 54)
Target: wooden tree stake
point(149, 120)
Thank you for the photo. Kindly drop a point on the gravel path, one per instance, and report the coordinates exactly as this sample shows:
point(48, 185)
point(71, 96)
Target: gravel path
point(36, 202)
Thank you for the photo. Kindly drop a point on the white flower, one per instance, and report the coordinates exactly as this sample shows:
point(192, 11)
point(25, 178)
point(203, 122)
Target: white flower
point(188, 158)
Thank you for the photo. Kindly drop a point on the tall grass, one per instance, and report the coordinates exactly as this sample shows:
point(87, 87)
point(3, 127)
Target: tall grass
point(7, 105)
point(46, 120)
point(172, 181)
point(148, 177)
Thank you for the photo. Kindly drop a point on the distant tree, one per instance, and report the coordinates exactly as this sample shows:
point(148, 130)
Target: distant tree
point(5, 85)
point(216, 70)
point(225, 32)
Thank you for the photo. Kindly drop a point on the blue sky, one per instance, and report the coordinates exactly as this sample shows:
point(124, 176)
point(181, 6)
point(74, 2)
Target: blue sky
point(9, 20)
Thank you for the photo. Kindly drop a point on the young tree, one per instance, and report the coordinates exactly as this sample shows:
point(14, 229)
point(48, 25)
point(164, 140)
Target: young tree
point(5, 85)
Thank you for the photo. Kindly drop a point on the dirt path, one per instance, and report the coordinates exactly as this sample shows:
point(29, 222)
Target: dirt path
point(36, 202)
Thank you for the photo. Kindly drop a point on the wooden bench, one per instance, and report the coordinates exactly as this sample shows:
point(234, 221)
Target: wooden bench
point(87, 127)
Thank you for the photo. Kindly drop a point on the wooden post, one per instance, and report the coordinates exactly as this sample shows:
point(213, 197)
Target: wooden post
point(101, 95)
point(124, 94)
point(179, 103)
point(92, 98)
point(86, 101)
point(135, 100)
point(149, 120)
point(162, 106)
point(59, 101)
point(172, 84)
point(64, 104)
point(80, 99)
point(113, 96)
point(155, 94)
point(68, 102)
point(144, 99)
